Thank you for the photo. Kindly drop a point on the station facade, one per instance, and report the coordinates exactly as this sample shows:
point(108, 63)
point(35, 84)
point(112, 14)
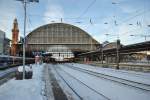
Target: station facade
point(60, 39)
point(4, 44)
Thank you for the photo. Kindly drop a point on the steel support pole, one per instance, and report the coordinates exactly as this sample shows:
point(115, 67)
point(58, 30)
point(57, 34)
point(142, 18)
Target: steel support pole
point(117, 49)
point(24, 42)
point(146, 50)
point(102, 57)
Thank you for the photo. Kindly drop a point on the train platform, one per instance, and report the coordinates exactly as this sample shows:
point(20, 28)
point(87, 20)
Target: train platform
point(28, 89)
point(85, 82)
point(73, 81)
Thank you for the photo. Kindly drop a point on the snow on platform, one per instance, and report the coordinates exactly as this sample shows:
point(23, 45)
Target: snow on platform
point(128, 75)
point(30, 89)
point(110, 89)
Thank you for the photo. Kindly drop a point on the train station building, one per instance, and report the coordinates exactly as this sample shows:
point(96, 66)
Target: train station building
point(4, 44)
point(60, 39)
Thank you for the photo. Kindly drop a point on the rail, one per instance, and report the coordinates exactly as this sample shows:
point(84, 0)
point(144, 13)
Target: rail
point(84, 85)
point(138, 85)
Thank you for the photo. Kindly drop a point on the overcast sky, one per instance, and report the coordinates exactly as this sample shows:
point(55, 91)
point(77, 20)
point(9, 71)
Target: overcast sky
point(120, 18)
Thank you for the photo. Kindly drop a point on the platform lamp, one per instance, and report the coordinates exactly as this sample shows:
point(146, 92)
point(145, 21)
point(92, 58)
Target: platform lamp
point(102, 54)
point(117, 49)
point(24, 40)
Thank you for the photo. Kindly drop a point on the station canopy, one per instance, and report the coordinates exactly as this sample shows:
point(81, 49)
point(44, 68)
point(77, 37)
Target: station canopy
point(60, 38)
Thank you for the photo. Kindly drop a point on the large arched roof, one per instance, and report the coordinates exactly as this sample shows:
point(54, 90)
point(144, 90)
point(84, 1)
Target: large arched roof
point(60, 24)
point(64, 24)
point(60, 34)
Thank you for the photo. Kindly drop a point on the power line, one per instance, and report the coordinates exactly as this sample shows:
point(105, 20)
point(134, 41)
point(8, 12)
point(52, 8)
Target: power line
point(135, 16)
point(85, 18)
point(96, 17)
point(130, 18)
point(86, 10)
point(29, 23)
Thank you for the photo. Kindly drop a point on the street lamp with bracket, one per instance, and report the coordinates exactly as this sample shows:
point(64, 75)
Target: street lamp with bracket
point(25, 20)
point(117, 50)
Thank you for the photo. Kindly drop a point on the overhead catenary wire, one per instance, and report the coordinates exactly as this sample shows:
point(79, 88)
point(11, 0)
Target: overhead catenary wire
point(130, 18)
point(29, 23)
point(86, 10)
point(92, 18)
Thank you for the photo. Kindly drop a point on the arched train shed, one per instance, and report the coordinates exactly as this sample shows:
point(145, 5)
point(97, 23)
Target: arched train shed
point(60, 37)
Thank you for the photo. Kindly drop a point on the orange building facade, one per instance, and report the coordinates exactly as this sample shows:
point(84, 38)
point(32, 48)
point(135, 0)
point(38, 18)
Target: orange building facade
point(15, 34)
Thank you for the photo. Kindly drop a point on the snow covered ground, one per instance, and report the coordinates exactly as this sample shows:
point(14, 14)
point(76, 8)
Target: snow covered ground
point(112, 90)
point(129, 75)
point(30, 89)
point(88, 87)
point(69, 93)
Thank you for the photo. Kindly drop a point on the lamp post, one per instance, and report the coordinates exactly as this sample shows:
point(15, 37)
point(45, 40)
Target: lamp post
point(102, 54)
point(145, 36)
point(117, 50)
point(24, 40)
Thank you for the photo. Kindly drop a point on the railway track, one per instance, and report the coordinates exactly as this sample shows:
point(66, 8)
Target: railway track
point(68, 84)
point(132, 73)
point(137, 85)
point(6, 75)
point(78, 95)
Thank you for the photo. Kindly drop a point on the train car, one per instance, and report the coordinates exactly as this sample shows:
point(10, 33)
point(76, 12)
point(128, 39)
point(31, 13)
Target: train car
point(6, 61)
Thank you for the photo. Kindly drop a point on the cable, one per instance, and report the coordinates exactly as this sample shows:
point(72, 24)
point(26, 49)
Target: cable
point(29, 23)
point(132, 17)
point(86, 10)
point(85, 18)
